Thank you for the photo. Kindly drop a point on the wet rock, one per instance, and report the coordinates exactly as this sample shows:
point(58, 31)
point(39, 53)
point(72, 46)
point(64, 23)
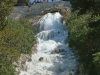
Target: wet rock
point(34, 49)
point(29, 60)
point(15, 64)
point(20, 64)
point(23, 67)
point(58, 51)
point(41, 59)
point(70, 74)
point(36, 27)
point(61, 70)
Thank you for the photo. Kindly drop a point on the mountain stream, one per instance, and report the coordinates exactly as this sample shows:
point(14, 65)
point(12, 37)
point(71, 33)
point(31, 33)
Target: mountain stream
point(53, 56)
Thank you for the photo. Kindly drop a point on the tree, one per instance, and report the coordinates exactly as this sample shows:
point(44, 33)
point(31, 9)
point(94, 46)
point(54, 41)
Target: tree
point(86, 5)
point(84, 34)
point(6, 6)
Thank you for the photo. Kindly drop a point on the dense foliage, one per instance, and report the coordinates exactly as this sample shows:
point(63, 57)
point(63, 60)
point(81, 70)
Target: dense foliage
point(16, 38)
point(6, 7)
point(84, 34)
point(86, 5)
point(23, 1)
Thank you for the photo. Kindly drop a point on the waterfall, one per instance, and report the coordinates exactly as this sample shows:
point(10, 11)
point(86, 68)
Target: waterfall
point(53, 56)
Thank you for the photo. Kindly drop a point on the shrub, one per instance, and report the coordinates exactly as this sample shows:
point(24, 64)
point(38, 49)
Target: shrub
point(6, 7)
point(16, 38)
point(97, 62)
point(7, 56)
point(24, 39)
point(86, 5)
point(84, 36)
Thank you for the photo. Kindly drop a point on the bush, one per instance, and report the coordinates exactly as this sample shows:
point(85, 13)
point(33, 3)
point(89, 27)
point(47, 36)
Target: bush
point(7, 56)
point(16, 38)
point(24, 39)
point(86, 5)
point(6, 7)
point(84, 36)
point(97, 62)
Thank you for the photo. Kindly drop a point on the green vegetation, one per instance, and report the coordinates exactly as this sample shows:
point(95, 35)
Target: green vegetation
point(86, 5)
point(6, 6)
point(24, 37)
point(84, 34)
point(16, 38)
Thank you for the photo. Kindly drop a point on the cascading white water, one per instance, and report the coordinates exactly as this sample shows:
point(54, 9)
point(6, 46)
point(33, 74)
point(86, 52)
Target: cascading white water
point(53, 56)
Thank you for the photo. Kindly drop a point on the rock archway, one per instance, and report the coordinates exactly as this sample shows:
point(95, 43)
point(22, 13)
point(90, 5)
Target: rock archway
point(64, 11)
point(40, 9)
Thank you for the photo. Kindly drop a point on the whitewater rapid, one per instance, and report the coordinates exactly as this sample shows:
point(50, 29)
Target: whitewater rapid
point(53, 55)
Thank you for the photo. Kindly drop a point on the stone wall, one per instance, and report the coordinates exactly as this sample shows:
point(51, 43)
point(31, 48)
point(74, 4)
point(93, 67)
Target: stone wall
point(39, 9)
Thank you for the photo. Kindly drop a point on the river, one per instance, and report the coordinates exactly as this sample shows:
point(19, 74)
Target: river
point(53, 56)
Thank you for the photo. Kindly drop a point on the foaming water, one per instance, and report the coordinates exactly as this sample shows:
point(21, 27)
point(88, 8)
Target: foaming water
point(53, 56)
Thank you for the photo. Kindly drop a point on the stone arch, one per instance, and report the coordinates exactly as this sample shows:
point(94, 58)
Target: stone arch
point(64, 11)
